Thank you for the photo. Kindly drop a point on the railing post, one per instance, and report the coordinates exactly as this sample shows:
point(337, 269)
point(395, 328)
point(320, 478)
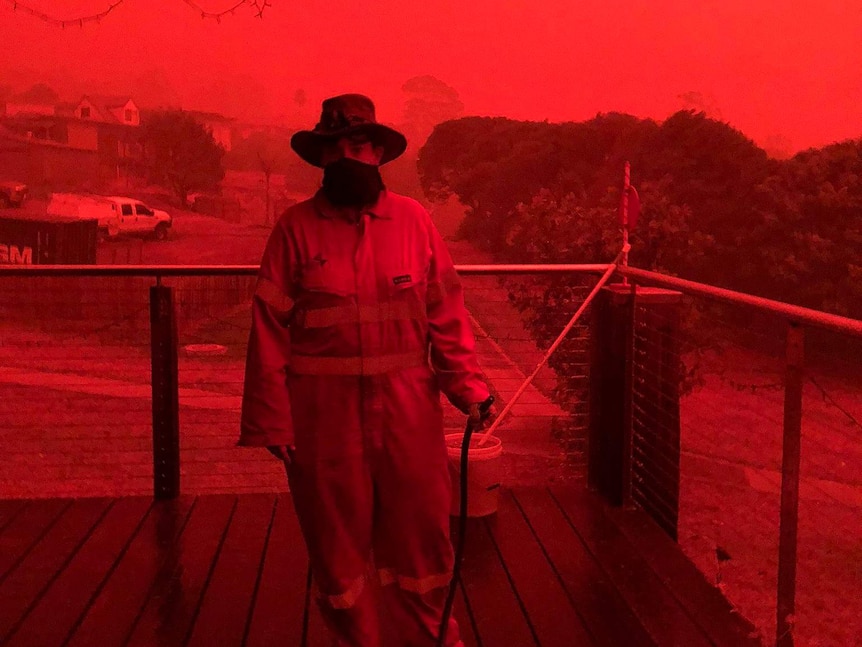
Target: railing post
point(790, 459)
point(607, 459)
point(634, 439)
point(165, 388)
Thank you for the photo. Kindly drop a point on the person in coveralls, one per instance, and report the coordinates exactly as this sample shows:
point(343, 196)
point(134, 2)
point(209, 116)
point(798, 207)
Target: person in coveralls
point(358, 324)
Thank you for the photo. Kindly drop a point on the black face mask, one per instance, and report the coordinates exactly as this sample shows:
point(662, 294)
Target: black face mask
point(351, 183)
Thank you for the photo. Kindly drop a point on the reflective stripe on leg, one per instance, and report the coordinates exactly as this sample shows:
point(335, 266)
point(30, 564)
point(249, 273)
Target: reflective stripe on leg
point(420, 585)
point(345, 600)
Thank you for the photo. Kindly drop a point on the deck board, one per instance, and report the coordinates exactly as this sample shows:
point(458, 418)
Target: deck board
point(174, 599)
point(9, 509)
point(113, 612)
point(227, 601)
point(23, 532)
point(535, 580)
point(606, 615)
point(552, 568)
point(495, 604)
point(30, 578)
point(56, 614)
point(462, 614)
point(280, 596)
point(703, 602)
point(656, 608)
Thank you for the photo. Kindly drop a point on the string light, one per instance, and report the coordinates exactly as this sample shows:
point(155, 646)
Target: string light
point(257, 6)
point(217, 15)
point(17, 5)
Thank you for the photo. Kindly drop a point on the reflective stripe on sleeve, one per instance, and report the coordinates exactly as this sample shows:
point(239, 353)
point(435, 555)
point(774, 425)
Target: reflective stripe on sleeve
point(420, 585)
point(368, 313)
point(272, 295)
point(313, 365)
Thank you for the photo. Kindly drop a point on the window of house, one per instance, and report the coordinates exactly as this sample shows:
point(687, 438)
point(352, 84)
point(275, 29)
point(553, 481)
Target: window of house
point(85, 112)
point(129, 114)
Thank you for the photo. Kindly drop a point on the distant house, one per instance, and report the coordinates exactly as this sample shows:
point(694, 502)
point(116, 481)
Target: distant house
point(99, 136)
point(100, 123)
point(219, 126)
point(113, 110)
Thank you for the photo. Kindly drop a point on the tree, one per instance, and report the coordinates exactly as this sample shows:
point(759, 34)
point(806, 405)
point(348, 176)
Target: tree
point(271, 150)
point(429, 101)
point(807, 229)
point(274, 147)
point(180, 153)
point(699, 102)
point(41, 94)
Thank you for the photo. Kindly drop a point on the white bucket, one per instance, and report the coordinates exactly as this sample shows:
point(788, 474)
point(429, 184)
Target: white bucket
point(484, 474)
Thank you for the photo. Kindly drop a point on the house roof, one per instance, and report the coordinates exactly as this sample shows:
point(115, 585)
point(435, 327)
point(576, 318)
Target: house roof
point(108, 101)
point(104, 105)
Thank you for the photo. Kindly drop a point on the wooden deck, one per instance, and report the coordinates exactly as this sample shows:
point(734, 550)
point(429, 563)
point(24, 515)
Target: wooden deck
point(554, 568)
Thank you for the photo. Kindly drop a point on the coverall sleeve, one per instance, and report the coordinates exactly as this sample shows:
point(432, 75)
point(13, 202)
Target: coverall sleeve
point(266, 415)
point(453, 347)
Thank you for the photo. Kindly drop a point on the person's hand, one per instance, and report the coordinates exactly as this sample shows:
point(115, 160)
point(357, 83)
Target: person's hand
point(284, 453)
point(478, 418)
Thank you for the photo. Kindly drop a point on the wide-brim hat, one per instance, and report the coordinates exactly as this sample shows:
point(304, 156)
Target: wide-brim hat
point(345, 115)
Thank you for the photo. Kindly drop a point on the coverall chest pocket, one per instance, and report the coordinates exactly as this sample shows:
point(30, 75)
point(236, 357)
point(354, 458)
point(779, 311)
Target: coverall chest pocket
point(333, 281)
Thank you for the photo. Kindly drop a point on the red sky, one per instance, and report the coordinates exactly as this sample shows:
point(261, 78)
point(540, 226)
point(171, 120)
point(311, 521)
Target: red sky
point(790, 68)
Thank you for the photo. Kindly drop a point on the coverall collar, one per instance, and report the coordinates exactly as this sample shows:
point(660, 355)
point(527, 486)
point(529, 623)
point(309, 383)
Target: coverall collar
point(381, 209)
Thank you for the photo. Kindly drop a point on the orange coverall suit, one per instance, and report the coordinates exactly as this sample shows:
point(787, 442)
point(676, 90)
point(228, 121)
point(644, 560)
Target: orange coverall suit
point(357, 327)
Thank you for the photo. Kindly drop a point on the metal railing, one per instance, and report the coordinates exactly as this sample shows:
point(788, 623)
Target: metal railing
point(98, 375)
point(765, 412)
point(112, 373)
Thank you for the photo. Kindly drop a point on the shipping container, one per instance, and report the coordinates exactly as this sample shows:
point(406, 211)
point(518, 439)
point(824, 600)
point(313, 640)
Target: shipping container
point(46, 240)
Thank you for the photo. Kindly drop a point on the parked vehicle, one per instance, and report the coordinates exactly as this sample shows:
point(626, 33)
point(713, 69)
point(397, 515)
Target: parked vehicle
point(12, 194)
point(27, 239)
point(116, 214)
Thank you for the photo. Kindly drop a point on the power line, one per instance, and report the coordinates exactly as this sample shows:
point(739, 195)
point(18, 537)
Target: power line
point(257, 6)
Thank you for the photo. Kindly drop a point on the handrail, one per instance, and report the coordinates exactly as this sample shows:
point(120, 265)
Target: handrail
point(128, 270)
point(796, 314)
point(251, 270)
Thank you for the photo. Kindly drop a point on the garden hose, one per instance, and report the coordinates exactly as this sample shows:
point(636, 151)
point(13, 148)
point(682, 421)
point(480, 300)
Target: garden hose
point(462, 525)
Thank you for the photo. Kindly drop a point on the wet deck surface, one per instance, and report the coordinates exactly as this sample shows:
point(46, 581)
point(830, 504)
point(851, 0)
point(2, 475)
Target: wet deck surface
point(554, 567)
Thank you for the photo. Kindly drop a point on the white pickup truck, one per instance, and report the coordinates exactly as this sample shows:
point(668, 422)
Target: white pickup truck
point(116, 215)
